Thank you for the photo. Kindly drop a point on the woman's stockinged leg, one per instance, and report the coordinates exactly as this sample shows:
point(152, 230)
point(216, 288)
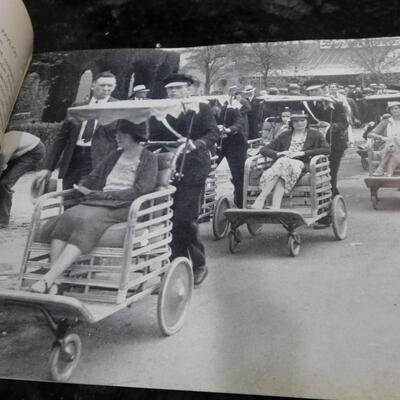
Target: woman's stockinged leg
point(68, 255)
point(265, 191)
point(56, 247)
point(278, 193)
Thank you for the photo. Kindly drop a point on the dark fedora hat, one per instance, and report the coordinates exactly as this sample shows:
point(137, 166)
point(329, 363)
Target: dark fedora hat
point(137, 131)
point(177, 80)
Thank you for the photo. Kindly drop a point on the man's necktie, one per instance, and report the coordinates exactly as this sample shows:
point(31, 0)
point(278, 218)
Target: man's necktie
point(89, 128)
point(88, 131)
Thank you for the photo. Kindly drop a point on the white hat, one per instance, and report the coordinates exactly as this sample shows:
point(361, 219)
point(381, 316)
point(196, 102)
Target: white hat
point(393, 103)
point(140, 88)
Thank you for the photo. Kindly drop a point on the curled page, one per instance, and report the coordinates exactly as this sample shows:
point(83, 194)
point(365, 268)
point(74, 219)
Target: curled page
point(16, 43)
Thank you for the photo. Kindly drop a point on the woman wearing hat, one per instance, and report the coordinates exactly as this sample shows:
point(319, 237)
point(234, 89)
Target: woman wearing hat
point(292, 150)
point(108, 190)
point(388, 130)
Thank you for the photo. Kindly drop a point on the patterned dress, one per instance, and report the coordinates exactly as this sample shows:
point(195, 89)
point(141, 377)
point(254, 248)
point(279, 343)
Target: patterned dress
point(288, 169)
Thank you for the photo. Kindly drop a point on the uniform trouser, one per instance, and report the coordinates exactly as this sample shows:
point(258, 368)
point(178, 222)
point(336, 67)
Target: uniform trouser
point(185, 231)
point(15, 169)
point(236, 158)
point(334, 163)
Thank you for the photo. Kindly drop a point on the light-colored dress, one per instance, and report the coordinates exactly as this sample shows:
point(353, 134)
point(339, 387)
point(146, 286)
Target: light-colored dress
point(289, 169)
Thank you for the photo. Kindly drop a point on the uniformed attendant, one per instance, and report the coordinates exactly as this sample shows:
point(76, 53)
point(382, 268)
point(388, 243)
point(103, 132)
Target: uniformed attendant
point(203, 137)
point(233, 144)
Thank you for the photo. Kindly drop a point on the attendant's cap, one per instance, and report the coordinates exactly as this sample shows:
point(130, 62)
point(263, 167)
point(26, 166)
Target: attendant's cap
point(249, 89)
point(352, 86)
point(129, 128)
point(234, 87)
point(393, 103)
point(140, 88)
point(314, 84)
point(298, 114)
point(178, 80)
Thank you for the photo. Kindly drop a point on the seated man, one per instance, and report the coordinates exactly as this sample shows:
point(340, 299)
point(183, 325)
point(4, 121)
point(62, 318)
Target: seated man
point(20, 152)
point(108, 190)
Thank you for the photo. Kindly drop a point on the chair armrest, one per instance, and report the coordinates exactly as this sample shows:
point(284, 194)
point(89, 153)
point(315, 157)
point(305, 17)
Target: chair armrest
point(137, 205)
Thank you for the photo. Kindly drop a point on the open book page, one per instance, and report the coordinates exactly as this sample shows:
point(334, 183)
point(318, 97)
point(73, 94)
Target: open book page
point(16, 41)
point(323, 324)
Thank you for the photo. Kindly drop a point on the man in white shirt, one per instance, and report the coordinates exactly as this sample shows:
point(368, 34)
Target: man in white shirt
point(82, 146)
point(20, 152)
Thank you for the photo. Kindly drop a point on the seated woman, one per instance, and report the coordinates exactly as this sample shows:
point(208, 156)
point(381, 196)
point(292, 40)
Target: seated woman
point(272, 127)
point(292, 151)
point(109, 190)
point(388, 130)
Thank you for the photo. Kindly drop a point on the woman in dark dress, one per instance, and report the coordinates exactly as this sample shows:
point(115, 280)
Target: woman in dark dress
point(109, 190)
point(292, 150)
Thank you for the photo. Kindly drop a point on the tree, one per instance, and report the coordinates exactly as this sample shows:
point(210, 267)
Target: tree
point(375, 60)
point(268, 58)
point(211, 61)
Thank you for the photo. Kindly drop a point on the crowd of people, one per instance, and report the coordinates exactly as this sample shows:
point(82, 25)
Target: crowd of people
point(109, 167)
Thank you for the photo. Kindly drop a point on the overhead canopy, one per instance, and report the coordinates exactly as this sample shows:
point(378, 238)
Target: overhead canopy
point(289, 99)
point(386, 96)
point(137, 111)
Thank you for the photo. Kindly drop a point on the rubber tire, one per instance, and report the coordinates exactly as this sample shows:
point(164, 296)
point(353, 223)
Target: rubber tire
point(57, 355)
point(294, 244)
point(235, 239)
point(175, 294)
point(339, 217)
point(221, 205)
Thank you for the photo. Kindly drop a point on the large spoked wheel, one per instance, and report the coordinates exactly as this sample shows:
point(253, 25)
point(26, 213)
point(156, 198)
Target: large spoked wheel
point(220, 224)
point(339, 217)
point(254, 228)
point(235, 239)
point(294, 243)
point(174, 297)
point(65, 357)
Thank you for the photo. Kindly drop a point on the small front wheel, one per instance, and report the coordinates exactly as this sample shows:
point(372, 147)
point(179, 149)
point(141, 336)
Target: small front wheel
point(174, 297)
point(374, 200)
point(235, 238)
point(65, 357)
point(294, 243)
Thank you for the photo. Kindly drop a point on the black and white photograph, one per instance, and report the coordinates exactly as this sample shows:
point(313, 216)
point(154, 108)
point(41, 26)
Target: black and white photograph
point(218, 218)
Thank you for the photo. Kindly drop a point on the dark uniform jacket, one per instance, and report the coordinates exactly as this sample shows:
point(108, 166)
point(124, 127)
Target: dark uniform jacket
point(204, 133)
point(231, 118)
point(254, 118)
point(145, 181)
point(103, 141)
point(314, 144)
point(335, 115)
